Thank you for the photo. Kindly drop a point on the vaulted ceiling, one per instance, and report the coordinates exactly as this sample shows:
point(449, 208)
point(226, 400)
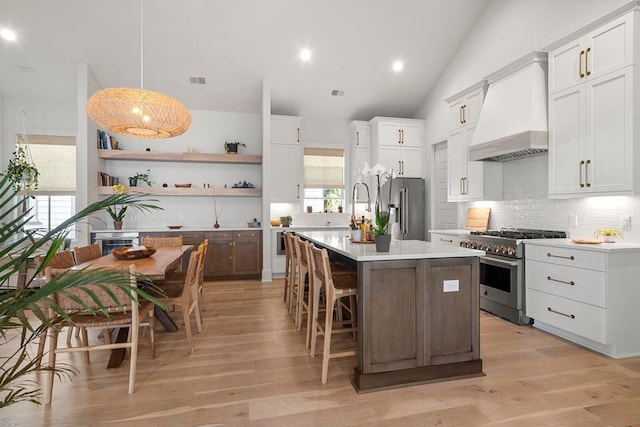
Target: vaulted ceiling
point(238, 44)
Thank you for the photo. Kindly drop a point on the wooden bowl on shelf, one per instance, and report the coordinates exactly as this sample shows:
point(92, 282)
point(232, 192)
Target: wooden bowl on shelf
point(183, 185)
point(133, 253)
point(275, 223)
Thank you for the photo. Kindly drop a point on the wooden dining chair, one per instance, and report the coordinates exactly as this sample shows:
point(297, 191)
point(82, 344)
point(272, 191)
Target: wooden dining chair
point(86, 253)
point(182, 290)
point(337, 287)
point(200, 275)
point(60, 261)
point(155, 242)
point(136, 313)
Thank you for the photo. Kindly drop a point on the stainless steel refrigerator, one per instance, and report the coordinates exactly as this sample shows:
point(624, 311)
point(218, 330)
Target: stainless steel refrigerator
point(407, 208)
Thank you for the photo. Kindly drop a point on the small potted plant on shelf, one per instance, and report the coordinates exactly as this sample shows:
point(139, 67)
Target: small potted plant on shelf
point(133, 180)
point(117, 215)
point(232, 147)
point(608, 234)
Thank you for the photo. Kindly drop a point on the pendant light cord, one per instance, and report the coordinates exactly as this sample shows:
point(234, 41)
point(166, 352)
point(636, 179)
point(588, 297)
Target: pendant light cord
point(141, 45)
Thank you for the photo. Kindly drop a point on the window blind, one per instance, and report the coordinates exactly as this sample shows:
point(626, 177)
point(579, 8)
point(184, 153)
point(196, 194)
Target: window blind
point(55, 158)
point(323, 168)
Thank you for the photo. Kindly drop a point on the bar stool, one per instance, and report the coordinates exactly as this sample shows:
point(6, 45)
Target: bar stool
point(287, 267)
point(336, 288)
point(292, 274)
point(305, 299)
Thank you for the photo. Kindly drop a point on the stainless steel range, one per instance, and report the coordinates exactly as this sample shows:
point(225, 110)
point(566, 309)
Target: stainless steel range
point(502, 288)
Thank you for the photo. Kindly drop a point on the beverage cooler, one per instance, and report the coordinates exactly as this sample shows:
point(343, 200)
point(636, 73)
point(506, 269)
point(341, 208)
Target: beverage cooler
point(112, 240)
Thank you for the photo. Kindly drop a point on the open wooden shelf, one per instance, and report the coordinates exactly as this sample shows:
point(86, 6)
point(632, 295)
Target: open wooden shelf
point(180, 157)
point(192, 191)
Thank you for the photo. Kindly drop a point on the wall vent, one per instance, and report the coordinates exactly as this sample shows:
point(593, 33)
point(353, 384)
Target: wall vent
point(194, 80)
point(337, 92)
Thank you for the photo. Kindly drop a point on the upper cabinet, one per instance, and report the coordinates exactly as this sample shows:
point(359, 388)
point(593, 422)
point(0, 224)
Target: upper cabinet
point(286, 158)
point(595, 54)
point(469, 180)
point(591, 112)
point(286, 129)
point(397, 143)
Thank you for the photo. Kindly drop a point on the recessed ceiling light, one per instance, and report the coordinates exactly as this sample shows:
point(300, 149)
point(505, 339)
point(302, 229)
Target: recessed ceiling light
point(305, 55)
point(7, 34)
point(398, 66)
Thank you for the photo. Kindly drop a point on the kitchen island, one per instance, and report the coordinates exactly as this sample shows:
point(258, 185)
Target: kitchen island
point(418, 310)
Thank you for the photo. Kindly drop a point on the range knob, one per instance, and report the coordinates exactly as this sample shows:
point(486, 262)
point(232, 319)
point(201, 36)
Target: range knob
point(511, 251)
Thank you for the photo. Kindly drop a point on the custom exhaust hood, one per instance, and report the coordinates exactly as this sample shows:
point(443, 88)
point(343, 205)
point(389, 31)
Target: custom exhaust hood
point(513, 119)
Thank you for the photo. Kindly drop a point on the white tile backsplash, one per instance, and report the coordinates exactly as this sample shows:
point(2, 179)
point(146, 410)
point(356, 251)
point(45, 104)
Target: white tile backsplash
point(526, 204)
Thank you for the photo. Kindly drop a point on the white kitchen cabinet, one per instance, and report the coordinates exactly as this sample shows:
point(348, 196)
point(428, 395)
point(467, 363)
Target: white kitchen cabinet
point(286, 159)
point(398, 144)
point(469, 180)
point(286, 129)
point(591, 117)
point(286, 173)
point(360, 137)
point(586, 294)
point(451, 238)
point(602, 50)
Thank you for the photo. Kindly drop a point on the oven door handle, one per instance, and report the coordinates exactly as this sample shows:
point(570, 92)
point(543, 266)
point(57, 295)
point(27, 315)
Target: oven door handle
point(498, 262)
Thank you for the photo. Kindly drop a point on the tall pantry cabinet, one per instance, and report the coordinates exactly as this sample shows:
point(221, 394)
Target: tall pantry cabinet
point(286, 158)
point(592, 94)
point(469, 180)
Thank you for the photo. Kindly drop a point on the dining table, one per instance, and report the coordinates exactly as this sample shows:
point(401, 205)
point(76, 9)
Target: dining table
point(153, 267)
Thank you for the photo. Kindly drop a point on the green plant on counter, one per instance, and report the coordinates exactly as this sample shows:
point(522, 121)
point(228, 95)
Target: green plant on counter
point(608, 233)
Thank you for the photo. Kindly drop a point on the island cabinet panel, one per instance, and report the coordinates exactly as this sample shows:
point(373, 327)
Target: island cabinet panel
point(391, 304)
point(453, 315)
point(419, 321)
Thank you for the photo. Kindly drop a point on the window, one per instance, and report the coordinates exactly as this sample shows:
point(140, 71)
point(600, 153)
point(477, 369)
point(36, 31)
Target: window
point(323, 179)
point(55, 199)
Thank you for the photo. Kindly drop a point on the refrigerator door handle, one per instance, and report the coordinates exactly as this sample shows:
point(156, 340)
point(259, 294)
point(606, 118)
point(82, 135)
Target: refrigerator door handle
point(405, 210)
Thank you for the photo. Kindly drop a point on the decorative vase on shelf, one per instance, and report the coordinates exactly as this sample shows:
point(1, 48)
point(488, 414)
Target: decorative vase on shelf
point(117, 225)
point(216, 225)
point(133, 182)
point(383, 242)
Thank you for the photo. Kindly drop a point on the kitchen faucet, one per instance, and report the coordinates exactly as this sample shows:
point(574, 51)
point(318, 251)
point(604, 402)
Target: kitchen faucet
point(353, 200)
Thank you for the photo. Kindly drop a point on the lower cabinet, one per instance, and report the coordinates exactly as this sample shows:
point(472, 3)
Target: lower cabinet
point(234, 255)
point(230, 255)
point(586, 295)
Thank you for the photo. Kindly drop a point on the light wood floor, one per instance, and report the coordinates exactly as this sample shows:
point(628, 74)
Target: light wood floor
point(250, 368)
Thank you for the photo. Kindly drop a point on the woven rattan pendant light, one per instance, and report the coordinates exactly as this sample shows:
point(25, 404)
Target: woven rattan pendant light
point(138, 112)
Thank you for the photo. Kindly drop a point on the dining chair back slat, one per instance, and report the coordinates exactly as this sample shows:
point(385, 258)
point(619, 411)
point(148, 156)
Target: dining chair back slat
point(87, 253)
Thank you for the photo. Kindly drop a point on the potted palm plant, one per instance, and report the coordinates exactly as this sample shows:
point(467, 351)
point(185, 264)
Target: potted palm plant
point(17, 245)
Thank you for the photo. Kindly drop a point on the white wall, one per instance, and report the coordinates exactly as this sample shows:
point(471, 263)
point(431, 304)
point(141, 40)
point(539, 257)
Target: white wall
point(507, 30)
point(208, 132)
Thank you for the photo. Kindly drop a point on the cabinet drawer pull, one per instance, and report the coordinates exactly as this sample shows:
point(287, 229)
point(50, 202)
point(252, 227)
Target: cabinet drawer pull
point(298, 134)
point(464, 113)
point(445, 240)
point(586, 61)
point(550, 255)
point(560, 281)
point(298, 191)
point(402, 136)
point(357, 138)
point(461, 114)
point(580, 62)
point(571, 316)
point(580, 166)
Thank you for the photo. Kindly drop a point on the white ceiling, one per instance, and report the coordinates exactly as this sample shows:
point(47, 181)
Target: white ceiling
point(236, 44)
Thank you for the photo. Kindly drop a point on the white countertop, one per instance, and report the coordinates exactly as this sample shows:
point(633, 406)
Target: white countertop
point(339, 242)
point(312, 227)
point(178, 230)
point(602, 247)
